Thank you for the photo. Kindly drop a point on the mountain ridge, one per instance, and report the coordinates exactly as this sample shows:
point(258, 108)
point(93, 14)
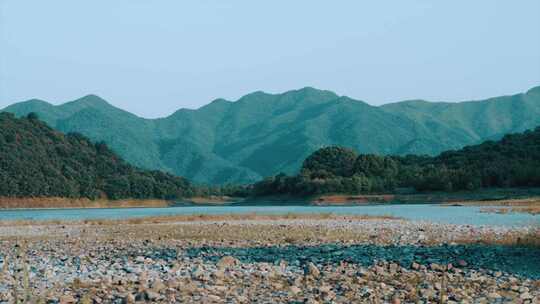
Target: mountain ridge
point(262, 134)
point(533, 90)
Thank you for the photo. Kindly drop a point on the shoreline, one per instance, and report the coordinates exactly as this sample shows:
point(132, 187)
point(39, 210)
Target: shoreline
point(490, 197)
point(273, 260)
point(36, 203)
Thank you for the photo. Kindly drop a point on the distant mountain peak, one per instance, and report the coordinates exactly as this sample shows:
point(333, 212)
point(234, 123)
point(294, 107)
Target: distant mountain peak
point(220, 100)
point(216, 105)
point(410, 103)
point(306, 91)
point(309, 89)
point(90, 100)
point(37, 101)
point(31, 105)
point(254, 94)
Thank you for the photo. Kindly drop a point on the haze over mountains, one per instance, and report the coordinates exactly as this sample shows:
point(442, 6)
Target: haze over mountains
point(263, 134)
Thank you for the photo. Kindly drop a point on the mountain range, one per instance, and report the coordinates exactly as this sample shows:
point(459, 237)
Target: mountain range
point(263, 134)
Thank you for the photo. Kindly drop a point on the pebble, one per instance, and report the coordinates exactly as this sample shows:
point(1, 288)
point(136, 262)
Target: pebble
point(312, 270)
point(295, 290)
point(227, 261)
point(391, 268)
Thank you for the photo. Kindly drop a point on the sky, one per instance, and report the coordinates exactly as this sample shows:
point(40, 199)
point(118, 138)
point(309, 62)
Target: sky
point(154, 57)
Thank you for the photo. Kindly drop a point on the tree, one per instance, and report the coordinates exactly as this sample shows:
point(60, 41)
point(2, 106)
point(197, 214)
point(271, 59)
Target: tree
point(36, 160)
point(513, 161)
point(32, 116)
point(331, 161)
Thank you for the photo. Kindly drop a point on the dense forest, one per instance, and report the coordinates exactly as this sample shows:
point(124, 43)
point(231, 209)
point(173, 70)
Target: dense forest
point(37, 161)
point(513, 161)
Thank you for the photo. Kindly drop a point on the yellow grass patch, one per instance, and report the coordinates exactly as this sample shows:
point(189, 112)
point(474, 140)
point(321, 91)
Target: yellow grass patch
point(534, 210)
point(62, 202)
point(202, 218)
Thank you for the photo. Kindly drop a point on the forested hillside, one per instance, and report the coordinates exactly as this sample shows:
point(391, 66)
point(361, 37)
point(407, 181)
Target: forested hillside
point(513, 161)
point(263, 134)
point(37, 161)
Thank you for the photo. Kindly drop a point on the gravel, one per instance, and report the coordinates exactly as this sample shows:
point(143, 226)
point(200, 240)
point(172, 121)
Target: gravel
point(269, 261)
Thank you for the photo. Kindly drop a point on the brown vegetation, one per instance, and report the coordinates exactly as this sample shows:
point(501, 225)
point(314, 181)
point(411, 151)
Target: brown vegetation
point(257, 229)
point(528, 205)
point(202, 218)
point(534, 210)
point(522, 202)
point(530, 238)
point(477, 198)
point(61, 202)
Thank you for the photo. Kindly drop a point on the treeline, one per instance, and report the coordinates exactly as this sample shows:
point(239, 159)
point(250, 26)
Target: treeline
point(37, 161)
point(513, 161)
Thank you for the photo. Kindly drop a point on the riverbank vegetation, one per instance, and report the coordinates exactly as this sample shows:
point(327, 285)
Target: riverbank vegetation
point(513, 161)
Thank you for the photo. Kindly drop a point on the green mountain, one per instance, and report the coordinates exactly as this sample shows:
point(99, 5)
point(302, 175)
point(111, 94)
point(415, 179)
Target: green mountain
point(263, 134)
point(38, 161)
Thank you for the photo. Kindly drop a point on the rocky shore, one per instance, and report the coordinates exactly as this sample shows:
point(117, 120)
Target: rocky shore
point(282, 260)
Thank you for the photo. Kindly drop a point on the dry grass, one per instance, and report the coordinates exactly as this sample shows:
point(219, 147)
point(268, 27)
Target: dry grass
point(61, 202)
point(208, 230)
point(200, 218)
point(297, 234)
point(201, 229)
point(526, 205)
point(531, 238)
point(525, 202)
point(33, 222)
point(239, 235)
point(534, 210)
point(242, 217)
point(195, 218)
point(259, 229)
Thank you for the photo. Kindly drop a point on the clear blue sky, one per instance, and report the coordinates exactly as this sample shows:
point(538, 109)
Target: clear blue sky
point(153, 57)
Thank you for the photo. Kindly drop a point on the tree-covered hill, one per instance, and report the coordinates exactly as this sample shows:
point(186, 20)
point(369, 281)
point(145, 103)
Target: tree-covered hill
point(513, 161)
point(37, 161)
point(263, 134)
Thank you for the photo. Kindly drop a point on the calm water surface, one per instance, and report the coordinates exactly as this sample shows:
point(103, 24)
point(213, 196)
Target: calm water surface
point(445, 214)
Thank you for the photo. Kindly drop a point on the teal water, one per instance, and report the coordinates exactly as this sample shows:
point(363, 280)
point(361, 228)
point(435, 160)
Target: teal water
point(470, 215)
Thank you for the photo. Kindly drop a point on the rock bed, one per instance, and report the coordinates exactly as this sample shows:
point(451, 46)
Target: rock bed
point(321, 261)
